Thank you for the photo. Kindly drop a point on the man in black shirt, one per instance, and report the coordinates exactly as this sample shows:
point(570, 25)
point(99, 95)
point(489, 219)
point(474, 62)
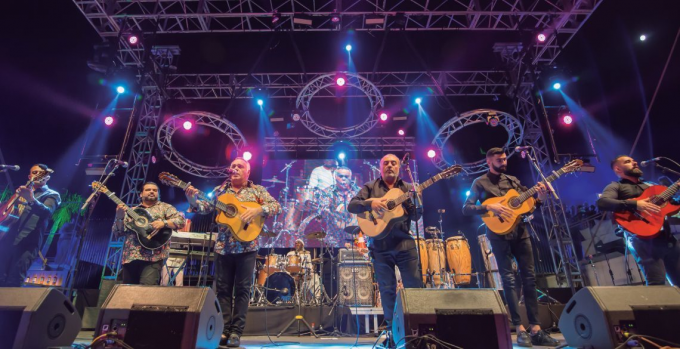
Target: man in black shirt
point(659, 256)
point(22, 240)
point(516, 244)
point(398, 247)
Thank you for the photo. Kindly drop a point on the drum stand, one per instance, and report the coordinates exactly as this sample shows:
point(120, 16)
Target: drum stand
point(298, 318)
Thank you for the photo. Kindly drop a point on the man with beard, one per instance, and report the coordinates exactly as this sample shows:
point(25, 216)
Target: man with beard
point(515, 244)
point(22, 239)
point(659, 256)
point(398, 248)
point(338, 196)
point(141, 265)
point(235, 260)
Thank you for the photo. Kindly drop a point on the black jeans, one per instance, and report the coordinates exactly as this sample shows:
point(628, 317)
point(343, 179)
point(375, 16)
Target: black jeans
point(142, 273)
point(14, 264)
point(405, 257)
point(233, 278)
point(520, 249)
point(657, 258)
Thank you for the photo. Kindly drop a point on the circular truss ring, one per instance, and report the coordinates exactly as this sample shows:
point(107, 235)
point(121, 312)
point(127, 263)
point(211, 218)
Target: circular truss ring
point(170, 126)
point(324, 84)
point(511, 124)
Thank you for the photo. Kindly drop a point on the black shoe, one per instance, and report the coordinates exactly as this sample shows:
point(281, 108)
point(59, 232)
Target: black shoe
point(223, 340)
point(543, 338)
point(388, 342)
point(524, 339)
point(234, 341)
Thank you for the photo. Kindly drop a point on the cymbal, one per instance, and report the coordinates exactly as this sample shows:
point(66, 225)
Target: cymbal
point(274, 180)
point(317, 235)
point(352, 229)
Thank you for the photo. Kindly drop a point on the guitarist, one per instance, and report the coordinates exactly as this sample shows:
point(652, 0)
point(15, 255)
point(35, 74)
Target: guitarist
point(658, 256)
point(516, 244)
point(235, 261)
point(20, 245)
point(142, 266)
point(398, 247)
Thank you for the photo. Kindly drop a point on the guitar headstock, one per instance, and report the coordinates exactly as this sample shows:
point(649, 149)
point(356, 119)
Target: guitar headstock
point(39, 177)
point(572, 166)
point(451, 171)
point(169, 179)
point(98, 186)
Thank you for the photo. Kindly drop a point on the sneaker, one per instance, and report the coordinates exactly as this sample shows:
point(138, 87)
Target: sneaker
point(543, 338)
point(223, 340)
point(234, 341)
point(524, 339)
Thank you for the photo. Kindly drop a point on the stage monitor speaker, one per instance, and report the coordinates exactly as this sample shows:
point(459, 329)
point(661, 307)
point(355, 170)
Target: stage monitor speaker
point(355, 286)
point(162, 317)
point(448, 315)
point(600, 317)
point(36, 318)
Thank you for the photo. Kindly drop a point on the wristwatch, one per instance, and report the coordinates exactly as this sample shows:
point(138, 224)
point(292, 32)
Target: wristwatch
point(165, 223)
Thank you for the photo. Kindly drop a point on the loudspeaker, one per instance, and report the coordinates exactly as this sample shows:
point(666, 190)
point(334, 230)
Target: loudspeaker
point(599, 317)
point(36, 318)
point(448, 314)
point(355, 286)
point(162, 317)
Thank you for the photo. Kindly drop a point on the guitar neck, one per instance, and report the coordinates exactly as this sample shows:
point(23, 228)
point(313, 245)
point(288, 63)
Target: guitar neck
point(668, 193)
point(420, 188)
point(118, 201)
point(533, 190)
point(203, 196)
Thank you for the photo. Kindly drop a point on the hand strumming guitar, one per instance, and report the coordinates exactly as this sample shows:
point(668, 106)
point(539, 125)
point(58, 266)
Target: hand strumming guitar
point(500, 210)
point(646, 206)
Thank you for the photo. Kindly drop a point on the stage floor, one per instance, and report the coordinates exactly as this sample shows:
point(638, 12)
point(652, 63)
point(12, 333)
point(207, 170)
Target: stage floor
point(295, 342)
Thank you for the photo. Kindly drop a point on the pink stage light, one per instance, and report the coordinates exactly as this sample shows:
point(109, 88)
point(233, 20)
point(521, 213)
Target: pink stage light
point(401, 132)
point(541, 37)
point(383, 116)
point(431, 153)
point(567, 119)
point(187, 125)
point(133, 39)
point(247, 155)
point(108, 121)
point(340, 81)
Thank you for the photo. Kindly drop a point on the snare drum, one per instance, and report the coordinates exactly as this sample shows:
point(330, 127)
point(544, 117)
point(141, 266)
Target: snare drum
point(436, 259)
point(459, 259)
point(294, 264)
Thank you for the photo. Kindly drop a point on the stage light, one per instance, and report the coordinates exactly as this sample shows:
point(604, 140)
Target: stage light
point(340, 81)
point(419, 100)
point(120, 89)
point(260, 102)
point(467, 193)
point(210, 194)
point(383, 116)
point(247, 155)
point(541, 37)
point(401, 132)
point(431, 153)
point(275, 17)
point(335, 17)
point(341, 156)
point(187, 125)
point(108, 121)
point(567, 119)
point(557, 86)
point(643, 37)
point(348, 48)
point(133, 39)
point(492, 119)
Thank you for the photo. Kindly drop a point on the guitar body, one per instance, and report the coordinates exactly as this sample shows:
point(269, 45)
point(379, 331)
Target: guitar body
point(654, 222)
point(142, 227)
point(243, 232)
point(10, 211)
point(380, 227)
point(502, 226)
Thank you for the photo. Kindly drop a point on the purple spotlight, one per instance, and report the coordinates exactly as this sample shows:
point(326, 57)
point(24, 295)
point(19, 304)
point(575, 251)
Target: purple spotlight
point(401, 132)
point(541, 37)
point(431, 153)
point(133, 39)
point(383, 116)
point(108, 121)
point(567, 119)
point(187, 125)
point(340, 81)
point(247, 155)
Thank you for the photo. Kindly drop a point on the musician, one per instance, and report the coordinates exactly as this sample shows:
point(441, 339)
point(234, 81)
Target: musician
point(658, 257)
point(235, 261)
point(338, 196)
point(322, 176)
point(398, 248)
point(311, 281)
point(23, 238)
point(141, 265)
point(516, 244)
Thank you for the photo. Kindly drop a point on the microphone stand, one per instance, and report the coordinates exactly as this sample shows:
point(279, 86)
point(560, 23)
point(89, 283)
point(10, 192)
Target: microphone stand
point(540, 173)
point(416, 199)
point(666, 169)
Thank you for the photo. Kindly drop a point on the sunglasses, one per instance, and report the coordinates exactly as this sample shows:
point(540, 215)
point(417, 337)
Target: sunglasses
point(343, 176)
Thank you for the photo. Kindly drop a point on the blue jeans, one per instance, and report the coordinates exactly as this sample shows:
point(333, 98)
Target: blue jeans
point(233, 278)
point(657, 257)
point(520, 249)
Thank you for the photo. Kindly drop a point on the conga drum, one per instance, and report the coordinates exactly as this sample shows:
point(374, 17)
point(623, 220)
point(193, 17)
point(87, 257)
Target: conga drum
point(422, 247)
point(459, 259)
point(437, 259)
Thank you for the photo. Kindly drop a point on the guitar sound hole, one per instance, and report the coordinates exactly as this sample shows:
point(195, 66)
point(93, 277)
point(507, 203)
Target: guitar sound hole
point(514, 203)
point(142, 222)
point(390, 205)
point(231, 211)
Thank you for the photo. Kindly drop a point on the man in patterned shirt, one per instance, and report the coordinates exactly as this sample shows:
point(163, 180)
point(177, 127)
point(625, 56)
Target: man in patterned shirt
point(141, 265)
point(234, 260)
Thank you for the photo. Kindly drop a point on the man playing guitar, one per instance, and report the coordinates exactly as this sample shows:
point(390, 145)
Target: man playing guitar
point(143, 266)
point(658, 256)
point(20, 243)
point(515, 244)
point(235, 261)
point(398, 247)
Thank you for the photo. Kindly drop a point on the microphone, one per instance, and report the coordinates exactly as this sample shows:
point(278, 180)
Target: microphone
point(642, 163)
point(523, 148)
point(404, 160)
point(10, 167)
point(121, 163)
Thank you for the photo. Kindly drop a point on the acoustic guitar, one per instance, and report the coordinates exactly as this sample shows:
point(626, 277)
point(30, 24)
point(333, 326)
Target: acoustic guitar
point(229, 210)
point(11, 210)
point(648, 225)
point(378, 226)
point(520, 204)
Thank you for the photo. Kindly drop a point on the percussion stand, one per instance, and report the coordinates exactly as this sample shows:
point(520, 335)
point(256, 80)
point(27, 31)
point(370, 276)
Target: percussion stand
point(298, 318)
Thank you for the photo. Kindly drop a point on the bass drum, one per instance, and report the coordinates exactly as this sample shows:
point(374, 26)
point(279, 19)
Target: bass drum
point(281, 281)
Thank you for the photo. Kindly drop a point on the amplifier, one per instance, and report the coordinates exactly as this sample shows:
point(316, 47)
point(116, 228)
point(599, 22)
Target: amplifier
point(355, 284)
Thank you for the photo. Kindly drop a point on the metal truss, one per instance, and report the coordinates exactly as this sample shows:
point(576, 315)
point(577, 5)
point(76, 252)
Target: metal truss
point(356, 144)
point(290, 85)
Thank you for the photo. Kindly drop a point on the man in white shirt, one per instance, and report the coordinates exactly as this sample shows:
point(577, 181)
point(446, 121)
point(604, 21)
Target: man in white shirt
point(322, 176)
